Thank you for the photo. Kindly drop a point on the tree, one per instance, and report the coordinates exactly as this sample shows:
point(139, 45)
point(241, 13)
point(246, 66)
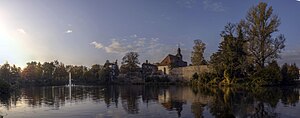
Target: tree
point(259, 25)
point(130, 62)
point(60, 71)
point(289, 73)
point(231, 58)
point(197, 55)
point(293, 72)
point(277, 77)
point(284, 74)
point(48, 69)
point(33, 71)
point(5, 72)
point(95, 70)
point(270, 75)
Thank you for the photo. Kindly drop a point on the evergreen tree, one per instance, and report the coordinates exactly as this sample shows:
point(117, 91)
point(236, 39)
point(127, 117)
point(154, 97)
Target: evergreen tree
point(231, 57)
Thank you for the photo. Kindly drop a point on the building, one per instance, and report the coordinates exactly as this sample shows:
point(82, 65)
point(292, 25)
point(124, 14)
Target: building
point(114, 69)
point(149, 69)
point(171, 61)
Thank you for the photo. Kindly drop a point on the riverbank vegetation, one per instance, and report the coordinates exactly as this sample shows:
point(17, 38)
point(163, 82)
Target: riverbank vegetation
point(248, 52)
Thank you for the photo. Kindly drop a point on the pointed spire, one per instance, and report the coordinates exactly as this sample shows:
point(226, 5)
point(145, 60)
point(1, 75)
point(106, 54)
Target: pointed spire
point(179, 52)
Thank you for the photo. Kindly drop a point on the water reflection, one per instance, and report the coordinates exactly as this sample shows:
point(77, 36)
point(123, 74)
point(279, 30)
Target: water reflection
point(175, 101)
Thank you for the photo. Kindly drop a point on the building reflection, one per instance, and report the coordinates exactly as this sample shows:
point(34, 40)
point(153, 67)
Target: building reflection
point(219, 102)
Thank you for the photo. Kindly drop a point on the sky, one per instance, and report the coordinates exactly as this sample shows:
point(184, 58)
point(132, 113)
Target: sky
point(87, 32)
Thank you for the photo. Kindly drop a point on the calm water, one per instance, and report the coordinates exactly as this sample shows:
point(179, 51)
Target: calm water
point(149, 101)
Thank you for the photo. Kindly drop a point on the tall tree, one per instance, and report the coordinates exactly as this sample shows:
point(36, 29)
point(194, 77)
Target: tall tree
point(293, 71)
point(95, 70)
point(48, 69)
point(130, 62)
point(32, 71)
point(5, 72)
point(60, 71)
point(259, 26)
point(197, 53)
point(230, 60)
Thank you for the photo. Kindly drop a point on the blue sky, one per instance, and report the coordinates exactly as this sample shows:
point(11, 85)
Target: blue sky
point(86, 32)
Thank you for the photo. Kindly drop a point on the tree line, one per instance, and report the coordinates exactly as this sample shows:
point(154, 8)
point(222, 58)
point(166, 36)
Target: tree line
point(51, 73)
point(57, 73)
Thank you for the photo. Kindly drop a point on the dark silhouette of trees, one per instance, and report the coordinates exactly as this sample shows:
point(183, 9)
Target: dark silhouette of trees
point(5, 72)
point(289, 73)
point(130, 62)
point(270, 75)
point(32, 71)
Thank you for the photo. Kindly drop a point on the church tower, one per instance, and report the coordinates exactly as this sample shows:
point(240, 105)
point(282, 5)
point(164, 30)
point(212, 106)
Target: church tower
point(179, 55)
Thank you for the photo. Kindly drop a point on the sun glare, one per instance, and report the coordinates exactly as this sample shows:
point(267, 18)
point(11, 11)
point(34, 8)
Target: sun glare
point(11, 49)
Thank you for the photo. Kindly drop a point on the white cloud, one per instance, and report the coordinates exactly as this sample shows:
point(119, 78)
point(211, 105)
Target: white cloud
point(22, 31)
point(213, 6)
point(68, 31)
point(97, 45)
point(134, 43)
point(298, 0)
point(115, 47)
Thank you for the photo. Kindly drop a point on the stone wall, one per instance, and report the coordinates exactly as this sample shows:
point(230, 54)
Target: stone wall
point(187, 72)
point(164, 69)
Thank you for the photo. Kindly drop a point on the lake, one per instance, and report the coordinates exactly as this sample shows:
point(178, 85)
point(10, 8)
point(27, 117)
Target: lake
point(149, 101)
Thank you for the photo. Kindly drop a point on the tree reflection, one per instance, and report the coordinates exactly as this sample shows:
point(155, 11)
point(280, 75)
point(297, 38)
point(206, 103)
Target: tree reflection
point(111, 95)
point(9, 100)
point(244, 102)
point(4, 99)
point(219, 102)
point(197, 109)
point(129, 97)
point(290, 96)
point(263, 111)
point(174, 105)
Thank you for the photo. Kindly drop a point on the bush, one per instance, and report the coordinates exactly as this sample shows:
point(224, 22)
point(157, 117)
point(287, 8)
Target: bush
point(206, 77)
point(270, 75)
point(195, 76)
point(156, 79)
